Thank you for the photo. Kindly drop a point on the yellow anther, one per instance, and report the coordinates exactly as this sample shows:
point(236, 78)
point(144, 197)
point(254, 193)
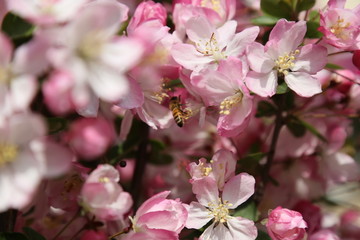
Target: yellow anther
point(8, 153)
point(338, 29)
point(104, 180)
point(229, 102)
point(285, 62)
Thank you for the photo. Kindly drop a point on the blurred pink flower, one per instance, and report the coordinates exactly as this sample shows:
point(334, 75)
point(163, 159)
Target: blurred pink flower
point(94, 235)
point(285, 224)
point(282, 56)
point(90, 137)
point(324, 234)
point(102, 195)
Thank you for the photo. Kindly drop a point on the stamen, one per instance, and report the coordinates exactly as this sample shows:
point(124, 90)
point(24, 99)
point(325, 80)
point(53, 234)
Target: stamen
point(104, 180)
point(204, 169)
point(338, 29)
point(219, 210)
point(285, 62)
point(210, 48)
point(229, 102)
point(8, 153)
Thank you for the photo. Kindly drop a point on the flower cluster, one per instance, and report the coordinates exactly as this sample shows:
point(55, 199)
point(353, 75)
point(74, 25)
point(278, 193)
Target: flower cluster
point(183, 119)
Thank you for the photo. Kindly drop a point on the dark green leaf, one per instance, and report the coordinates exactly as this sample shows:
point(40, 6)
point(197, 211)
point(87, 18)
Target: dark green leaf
point(304, 5)
point(282, 88)
point(333, 66)
point(262, 236)
point(314, 16)
point(157, 145)
point(32, 234)
point(16, 27)
point(247, 210)
point(13, 236)
point(161, 159)
point(265, 109)
point(256, 157)
point(56, 124)
point(313, 130)
point(265, 20)
point(296, 127)
point(276, 8)
point(312, 30)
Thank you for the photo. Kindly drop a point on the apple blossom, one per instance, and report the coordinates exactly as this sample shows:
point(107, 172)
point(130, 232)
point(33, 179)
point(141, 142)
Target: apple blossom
point(324, 234)
point(285, 224)
point(282, 57)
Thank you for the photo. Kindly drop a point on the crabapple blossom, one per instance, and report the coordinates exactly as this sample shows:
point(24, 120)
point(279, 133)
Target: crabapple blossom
point(103, 196)
point(25, 158)
point(210, 44)
point(158, 218)
point(356, 59)
point(285, 224)
point(46, 12)
point(340, 26)
point(225, 88)
point(324, 234)
point(90, 137)
point(216, 206)
point(282, 57)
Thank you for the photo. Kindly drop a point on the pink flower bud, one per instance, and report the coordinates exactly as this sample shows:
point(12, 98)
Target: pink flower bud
point(90, 137)
point(94, 235)
point(350, 224)
point(285, 224)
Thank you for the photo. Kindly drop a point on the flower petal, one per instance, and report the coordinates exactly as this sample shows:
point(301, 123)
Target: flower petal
point(238, 189)
point(206, 190)
point(263, 84)
point(187, 56)
point(259, 61)
point(198, 216)
point(241, 40)
point(303, 84)
point(242, 228)
point(312, 58)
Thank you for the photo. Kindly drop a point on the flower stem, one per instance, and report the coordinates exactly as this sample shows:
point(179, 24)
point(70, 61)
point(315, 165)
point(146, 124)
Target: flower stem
point(66, 225)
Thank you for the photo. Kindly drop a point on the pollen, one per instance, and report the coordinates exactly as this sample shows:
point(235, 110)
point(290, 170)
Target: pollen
point(5, 75)
point(210, 48)
point(219, 210)
point(213, 4)
point(104, 180)
point(91, 46)
point(205, 170)
point(228, 103)
point(338, 29)
point(285, 62)
point(8, 153)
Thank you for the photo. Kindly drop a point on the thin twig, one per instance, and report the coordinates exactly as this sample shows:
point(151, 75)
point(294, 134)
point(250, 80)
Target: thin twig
point(66, 225)
point(341, 75)
point(335, 53)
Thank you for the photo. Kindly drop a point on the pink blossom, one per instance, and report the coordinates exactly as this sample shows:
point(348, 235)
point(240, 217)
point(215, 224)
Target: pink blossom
point(94, 235)
point(225, 88)
point(3, 10)
point(210, 44)
point(103, 196)
point(356, 59)
point(25, 158)
point(340, 26)
point(324, 234)
point(311, 214)
point(350, 224)
point(46, 12)
point(88, 49)
point(158, 218)
point(282, 57)
point(212, 206)
point(285, 224)
point(147, 11)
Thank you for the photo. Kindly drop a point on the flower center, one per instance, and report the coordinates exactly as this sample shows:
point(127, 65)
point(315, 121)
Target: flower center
point(5, 75)
point(205, 170)
point(220, 211)
point(285, 62)
point(8, 153)
point(91, 46)
point(104, 179)
point(229, 102)
point(71, 185)
point(210, 48)
point(338, 28)
point(213, 4)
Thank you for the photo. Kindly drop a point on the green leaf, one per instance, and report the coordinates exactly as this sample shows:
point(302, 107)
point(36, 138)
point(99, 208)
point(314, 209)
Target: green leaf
point(314, 16)
point(312, 30)
point(16, 27)
point(282, 88)
point(265, 20)
point(263, 236)
point(313, 130)
point(32, 234)
point(56, 124)
point(333, 66)
point(296, 127)
point(265, 109)
point(304, 5)
point(247, 210)
point(13, 236)
point(276, 8)
point(256, 157)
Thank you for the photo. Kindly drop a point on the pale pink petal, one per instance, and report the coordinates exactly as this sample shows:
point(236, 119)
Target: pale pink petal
point(206, 190)
point(90, 109)
point(151, 202)
point(238, 189)
point(312, 58)
point(187, 56)
point(155, 115)
point(303, 84)
point(238, 44)
point(6, 50)
point(126, 125)
point(259, 61)
point(281, 27)
point(134, 98)
point(226, 33)
point(224, 165)
point(208, 233)
point(220, 232)
point(199, 28)
point(6, 189)
point(234, 69)
point(160, 219)
point(263, 84)
point(287, 35)
point(107, 83)
point(23, 90)
point(152, 234)
point(198, 216)
point(336, 3)
point(242, 228)
point(341, 167)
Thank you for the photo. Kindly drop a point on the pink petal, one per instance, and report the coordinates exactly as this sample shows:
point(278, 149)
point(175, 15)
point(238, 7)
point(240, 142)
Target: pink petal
point(187, 56)
point(224, 165)
point(263, 84)
point(23, 90)
point(6, 50)
point(199, 28)
point(208, 233)
point(226, 33)
point(151, 202)
point(259, 61)
point(159, 219)
point(206, 190)
point(220, 232)
point(242, 228)
point(133, 98)
point(312, 58)
point(198, 216)
point(238, 189)
point(303, 84)
point(126, 125)
point(235, 69)
point(241, 40)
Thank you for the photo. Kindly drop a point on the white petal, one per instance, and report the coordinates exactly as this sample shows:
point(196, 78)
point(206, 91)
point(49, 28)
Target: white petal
point(241, 40)
point(242, 228)
point(303, 84)
point(198, 216)
point(262, 84)
point(238, 189)
point(23, 90)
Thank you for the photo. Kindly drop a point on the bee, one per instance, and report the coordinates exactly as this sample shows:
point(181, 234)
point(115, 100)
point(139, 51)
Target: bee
point(180, 115)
